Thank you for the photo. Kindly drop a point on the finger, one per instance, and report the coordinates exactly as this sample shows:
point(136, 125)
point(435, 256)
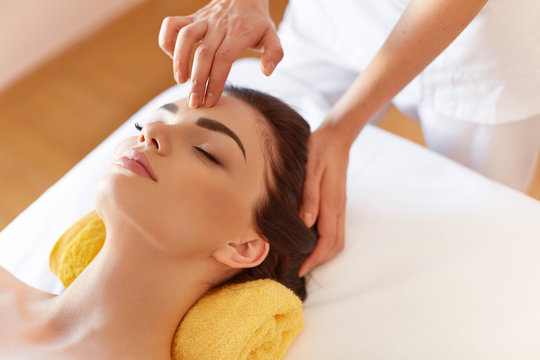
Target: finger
point(188, 36)
point(168, 33)
point(319, 254)
point(310, 196)
point(230, 49)
point(335, 202)
point(327, 225)
point(272, 52)
point(327, 236)
point(202, 64)
point(328, 221)
point(339, 244)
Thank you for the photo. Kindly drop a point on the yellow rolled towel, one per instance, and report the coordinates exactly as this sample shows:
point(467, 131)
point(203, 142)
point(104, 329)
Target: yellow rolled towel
point(253, 320)
point(77, 247)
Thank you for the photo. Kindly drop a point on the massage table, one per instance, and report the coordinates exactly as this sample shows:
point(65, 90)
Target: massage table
point(439, 261)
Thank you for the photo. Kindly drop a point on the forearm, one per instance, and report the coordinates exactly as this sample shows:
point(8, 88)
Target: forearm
point(424, 30)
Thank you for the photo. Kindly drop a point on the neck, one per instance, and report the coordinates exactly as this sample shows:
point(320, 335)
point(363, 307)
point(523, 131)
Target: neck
point(131, 296)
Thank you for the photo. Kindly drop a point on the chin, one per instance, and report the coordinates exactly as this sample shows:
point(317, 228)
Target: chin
point(118, 194)
point(125, 199)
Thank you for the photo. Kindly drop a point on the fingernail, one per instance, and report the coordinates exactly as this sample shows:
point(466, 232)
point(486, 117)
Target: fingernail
point(177, 76)
point(269, 68)
point(208, 100)
point(193, 100)
point(307, 217)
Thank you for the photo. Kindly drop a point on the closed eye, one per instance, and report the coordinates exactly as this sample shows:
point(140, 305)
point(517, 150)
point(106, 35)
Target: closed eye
point(208, 155)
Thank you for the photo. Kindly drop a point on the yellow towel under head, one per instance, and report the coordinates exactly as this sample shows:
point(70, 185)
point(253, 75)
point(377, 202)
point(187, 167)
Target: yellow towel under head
point(253, 320)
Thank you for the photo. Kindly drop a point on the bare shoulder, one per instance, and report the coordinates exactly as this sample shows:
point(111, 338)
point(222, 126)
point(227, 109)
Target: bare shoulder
point(7, 279)
point(10, 285)
point(12, 297)
point(15, 296)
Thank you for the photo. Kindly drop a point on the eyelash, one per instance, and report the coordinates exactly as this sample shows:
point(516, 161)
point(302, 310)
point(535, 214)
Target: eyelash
point(201, 150)
point(208, 155)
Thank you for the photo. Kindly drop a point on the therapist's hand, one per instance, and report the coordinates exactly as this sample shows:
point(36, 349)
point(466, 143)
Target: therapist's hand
point(224, 29)
point(324, 194)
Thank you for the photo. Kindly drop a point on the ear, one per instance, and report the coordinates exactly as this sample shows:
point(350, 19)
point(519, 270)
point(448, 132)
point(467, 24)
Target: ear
point(244, 254)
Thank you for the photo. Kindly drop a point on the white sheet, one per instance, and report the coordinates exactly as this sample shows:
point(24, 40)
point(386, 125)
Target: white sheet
point(439, 262)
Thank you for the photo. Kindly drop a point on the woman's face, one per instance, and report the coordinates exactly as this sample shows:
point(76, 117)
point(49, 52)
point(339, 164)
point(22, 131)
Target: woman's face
point(203, 177)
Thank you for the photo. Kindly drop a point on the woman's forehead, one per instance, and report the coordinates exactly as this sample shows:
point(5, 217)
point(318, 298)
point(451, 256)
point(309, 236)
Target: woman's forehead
point(229, 110)
point(234, 114)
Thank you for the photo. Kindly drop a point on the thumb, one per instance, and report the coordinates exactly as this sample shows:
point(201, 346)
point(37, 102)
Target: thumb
point(272, 52)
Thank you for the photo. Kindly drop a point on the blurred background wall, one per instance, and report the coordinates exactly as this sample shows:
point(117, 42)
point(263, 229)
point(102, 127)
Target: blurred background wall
point(33, 31)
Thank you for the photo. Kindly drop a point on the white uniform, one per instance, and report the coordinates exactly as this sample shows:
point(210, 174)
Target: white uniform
point(478, 102)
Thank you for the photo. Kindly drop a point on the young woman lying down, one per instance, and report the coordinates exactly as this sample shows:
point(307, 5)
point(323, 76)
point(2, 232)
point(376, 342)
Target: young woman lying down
point(201, 198)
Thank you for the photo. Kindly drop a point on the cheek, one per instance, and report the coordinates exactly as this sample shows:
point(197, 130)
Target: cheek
point(206, 211)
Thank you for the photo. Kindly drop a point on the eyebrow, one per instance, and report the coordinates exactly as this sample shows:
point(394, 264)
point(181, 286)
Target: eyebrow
point(210, 124)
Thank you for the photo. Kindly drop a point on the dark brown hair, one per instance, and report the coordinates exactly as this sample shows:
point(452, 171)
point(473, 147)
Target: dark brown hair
point(277, 216)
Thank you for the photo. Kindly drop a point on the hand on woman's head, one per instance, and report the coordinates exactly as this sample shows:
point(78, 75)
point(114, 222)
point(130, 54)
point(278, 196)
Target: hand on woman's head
point(224, 30)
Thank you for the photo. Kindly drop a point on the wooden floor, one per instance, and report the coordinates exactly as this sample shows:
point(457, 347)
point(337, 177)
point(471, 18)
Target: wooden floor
point(57, 114)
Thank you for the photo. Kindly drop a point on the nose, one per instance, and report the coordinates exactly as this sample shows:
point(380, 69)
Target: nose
point(154, 135)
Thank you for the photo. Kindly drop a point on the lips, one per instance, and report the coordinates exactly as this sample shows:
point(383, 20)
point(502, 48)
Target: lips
point(136, 162)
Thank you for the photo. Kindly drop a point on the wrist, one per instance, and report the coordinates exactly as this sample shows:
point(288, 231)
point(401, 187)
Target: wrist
point(345, 124)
